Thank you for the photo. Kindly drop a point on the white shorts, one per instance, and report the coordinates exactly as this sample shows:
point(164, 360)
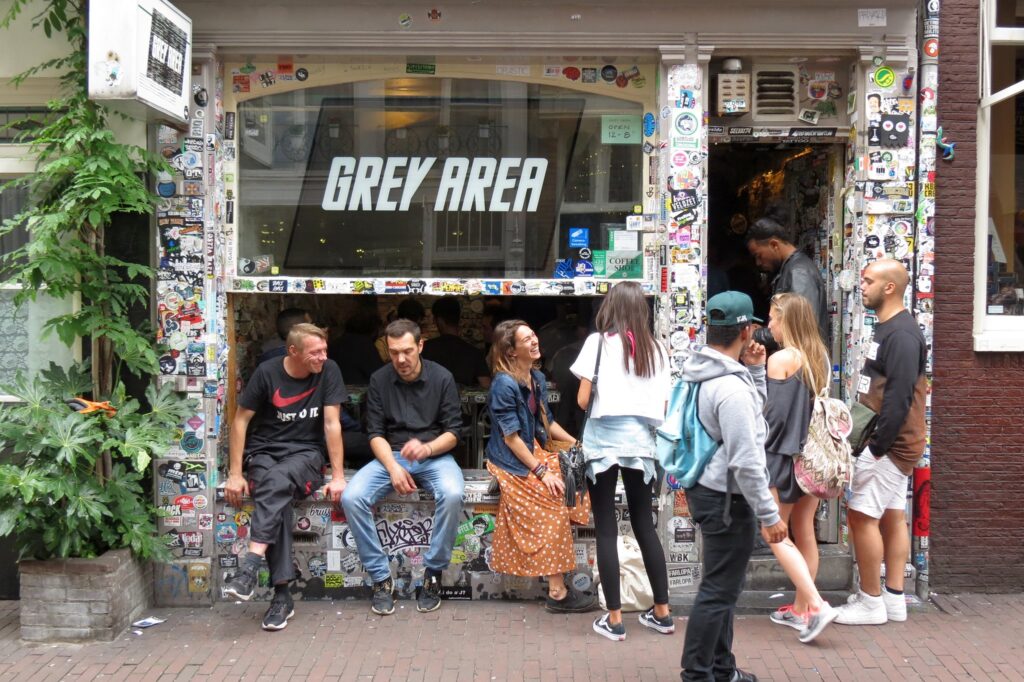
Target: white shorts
point(877, 486)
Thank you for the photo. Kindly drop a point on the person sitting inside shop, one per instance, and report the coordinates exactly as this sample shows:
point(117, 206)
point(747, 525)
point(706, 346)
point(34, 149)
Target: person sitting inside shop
point(464, 360)
point(409, 309)
point(286, 319)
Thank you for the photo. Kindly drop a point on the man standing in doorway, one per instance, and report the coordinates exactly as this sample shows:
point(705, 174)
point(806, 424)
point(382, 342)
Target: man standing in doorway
point(413, 416)
point(771, 245)
point(293, 406)
point(893, 384)
point(733, 489)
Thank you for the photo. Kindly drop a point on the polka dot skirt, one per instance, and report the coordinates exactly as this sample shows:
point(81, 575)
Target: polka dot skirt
point(532, 536)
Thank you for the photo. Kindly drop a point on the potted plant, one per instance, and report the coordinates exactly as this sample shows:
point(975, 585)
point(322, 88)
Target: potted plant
point(73, 490)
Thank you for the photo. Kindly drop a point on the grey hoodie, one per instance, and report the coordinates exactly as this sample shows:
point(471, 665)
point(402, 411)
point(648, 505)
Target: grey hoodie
point(731, 405)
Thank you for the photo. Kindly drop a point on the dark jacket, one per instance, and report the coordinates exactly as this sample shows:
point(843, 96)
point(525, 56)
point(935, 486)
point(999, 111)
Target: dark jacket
point(799, 275)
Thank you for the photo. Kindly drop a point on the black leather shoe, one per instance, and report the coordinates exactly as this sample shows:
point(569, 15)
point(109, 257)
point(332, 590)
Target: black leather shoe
point(742, 676)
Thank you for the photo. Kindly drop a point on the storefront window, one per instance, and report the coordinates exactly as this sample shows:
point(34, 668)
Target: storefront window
point(432, 176)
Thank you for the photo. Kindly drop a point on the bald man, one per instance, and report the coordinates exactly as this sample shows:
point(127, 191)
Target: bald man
point(892, 383)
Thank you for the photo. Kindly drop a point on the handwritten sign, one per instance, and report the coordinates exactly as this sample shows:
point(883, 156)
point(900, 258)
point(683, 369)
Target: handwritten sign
point(621, 129)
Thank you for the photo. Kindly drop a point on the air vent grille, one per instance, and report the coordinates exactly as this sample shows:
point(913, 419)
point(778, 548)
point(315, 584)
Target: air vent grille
point(776, 92)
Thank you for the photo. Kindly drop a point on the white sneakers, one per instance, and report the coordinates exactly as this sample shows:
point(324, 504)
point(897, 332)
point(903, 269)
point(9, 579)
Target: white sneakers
point(863, 609)
point(895, 606)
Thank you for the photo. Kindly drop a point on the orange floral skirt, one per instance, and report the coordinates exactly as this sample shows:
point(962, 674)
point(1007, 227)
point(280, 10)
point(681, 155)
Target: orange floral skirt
point(533, 536)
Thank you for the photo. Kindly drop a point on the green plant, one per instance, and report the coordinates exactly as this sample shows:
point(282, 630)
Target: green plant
point(84, 176)
point(49, 492)
point(75, 483)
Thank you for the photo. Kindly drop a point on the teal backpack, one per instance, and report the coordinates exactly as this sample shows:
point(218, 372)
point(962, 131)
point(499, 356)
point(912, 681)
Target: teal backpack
point(682, 444)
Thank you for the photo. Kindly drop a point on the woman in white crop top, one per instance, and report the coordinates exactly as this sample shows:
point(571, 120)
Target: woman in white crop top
point(630, 393)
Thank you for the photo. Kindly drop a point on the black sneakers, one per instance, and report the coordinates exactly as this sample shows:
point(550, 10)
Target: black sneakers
point(383, 598)
point(573, 602)
point(281, 609)
point(430, 598)
point(243, 583)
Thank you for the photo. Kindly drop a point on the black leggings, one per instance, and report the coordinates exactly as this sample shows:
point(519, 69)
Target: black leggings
point(638, 499)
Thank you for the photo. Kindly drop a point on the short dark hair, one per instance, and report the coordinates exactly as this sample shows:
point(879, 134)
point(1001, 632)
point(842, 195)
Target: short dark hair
point(447, 308)
point(724, 336)
point(411, 309)
point(288, 318)
point(772, 225)
point(401, 327)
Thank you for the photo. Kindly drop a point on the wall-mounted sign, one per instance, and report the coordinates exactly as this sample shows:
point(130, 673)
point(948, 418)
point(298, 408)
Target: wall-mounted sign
point(140, 51)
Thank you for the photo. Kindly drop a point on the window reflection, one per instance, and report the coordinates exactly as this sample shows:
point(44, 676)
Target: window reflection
point(439, 177)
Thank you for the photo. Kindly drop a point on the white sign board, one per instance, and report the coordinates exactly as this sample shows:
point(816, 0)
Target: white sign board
point(141, 51)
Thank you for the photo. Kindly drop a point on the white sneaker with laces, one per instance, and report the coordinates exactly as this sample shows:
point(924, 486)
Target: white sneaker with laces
point(895, 606)
point(862, 609)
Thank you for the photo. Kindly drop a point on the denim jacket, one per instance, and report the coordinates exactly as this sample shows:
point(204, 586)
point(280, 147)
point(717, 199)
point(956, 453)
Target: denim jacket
point(510, 413)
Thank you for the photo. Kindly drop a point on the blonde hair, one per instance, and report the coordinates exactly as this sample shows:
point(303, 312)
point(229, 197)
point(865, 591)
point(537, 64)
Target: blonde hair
point(297, 335)
point(800, 332)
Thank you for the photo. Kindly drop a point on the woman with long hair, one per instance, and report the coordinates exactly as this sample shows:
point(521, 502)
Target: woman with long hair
point(532, 536)
point(797, 372)
point(629, 396)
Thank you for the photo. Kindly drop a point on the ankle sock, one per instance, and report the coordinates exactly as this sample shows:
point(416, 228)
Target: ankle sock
point(892, 591)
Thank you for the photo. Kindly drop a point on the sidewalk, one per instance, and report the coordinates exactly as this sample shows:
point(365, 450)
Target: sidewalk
point(967, 637)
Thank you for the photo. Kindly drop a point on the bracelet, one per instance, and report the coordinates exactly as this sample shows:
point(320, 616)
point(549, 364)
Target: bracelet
point(540, 471)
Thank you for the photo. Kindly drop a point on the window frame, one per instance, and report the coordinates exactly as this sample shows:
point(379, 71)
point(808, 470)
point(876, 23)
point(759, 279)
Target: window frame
point(992, 333)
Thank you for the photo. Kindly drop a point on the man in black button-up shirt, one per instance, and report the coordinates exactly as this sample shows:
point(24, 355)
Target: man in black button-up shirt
point(413, 417)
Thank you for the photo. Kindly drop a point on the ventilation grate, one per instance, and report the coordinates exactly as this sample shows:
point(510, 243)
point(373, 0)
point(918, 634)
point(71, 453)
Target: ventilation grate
point(776, 96)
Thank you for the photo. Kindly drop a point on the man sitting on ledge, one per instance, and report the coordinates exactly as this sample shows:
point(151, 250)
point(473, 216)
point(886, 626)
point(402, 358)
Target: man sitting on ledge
point(413, 416)
point(294, 406)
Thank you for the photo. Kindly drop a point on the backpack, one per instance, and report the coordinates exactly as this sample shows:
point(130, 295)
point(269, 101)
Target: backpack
point(682, 444)
point(825, 466)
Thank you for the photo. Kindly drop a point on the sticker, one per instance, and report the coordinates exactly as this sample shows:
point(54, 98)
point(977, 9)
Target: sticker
point(864, 385)
point(404, 21)
point(649, 124)
point(884, 77)
point(872, 352)
point(198, 577)
point(609, 73)
point(581, 581)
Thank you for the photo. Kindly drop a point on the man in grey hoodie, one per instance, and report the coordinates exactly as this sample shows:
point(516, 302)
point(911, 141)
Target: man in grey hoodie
point(733, 490)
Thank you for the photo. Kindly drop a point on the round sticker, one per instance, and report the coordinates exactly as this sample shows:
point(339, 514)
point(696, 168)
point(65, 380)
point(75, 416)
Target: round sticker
point(200, 501)
point(585, 253)
point(649, 124)
point(686, 123)
point(885, 77)
point(168, 364)
point(301, 74)
point(581, 581)
point(609, 73)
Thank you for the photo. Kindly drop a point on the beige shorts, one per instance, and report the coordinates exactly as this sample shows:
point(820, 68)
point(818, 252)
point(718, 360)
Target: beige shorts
point(877, 486)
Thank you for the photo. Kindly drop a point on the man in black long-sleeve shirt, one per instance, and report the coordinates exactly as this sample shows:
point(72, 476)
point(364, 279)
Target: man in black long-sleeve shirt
point(892, 383)
point(413, 417)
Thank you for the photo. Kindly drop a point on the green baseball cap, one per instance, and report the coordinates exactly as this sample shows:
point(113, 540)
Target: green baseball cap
point(735, 307)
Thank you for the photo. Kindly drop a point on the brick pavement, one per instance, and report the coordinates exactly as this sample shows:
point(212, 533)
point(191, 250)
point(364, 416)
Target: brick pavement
point(968, 637)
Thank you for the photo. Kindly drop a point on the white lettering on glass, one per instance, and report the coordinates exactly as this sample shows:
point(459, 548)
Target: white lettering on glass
point(372, 183)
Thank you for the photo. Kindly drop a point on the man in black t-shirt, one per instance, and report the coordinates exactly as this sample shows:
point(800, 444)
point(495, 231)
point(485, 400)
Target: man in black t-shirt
point(289, 409)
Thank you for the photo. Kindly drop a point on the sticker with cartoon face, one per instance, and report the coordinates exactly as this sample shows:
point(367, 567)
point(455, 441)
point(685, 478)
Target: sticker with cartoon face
point(894, 130)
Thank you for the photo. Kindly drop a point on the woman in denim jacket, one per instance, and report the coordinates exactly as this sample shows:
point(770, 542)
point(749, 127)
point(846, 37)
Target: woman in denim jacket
point(532, 536)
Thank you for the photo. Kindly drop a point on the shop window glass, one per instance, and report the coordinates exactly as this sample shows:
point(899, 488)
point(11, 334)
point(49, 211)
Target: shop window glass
point(1009, 13)
point(1004, 287)
point(19, 326)
point(430, 176)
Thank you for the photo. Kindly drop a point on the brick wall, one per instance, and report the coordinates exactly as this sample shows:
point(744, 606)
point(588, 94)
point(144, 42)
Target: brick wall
point(978, 398)
point(83, 599)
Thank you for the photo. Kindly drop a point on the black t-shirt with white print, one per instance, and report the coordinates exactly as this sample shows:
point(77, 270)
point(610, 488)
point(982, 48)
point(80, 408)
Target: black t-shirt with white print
point(289, 412)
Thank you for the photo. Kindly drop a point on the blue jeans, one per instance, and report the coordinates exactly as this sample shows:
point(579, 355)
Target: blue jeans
point(707, 648)
point(439, 475)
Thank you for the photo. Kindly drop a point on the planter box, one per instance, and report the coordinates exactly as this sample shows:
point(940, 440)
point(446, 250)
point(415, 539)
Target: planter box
point(78, 600)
